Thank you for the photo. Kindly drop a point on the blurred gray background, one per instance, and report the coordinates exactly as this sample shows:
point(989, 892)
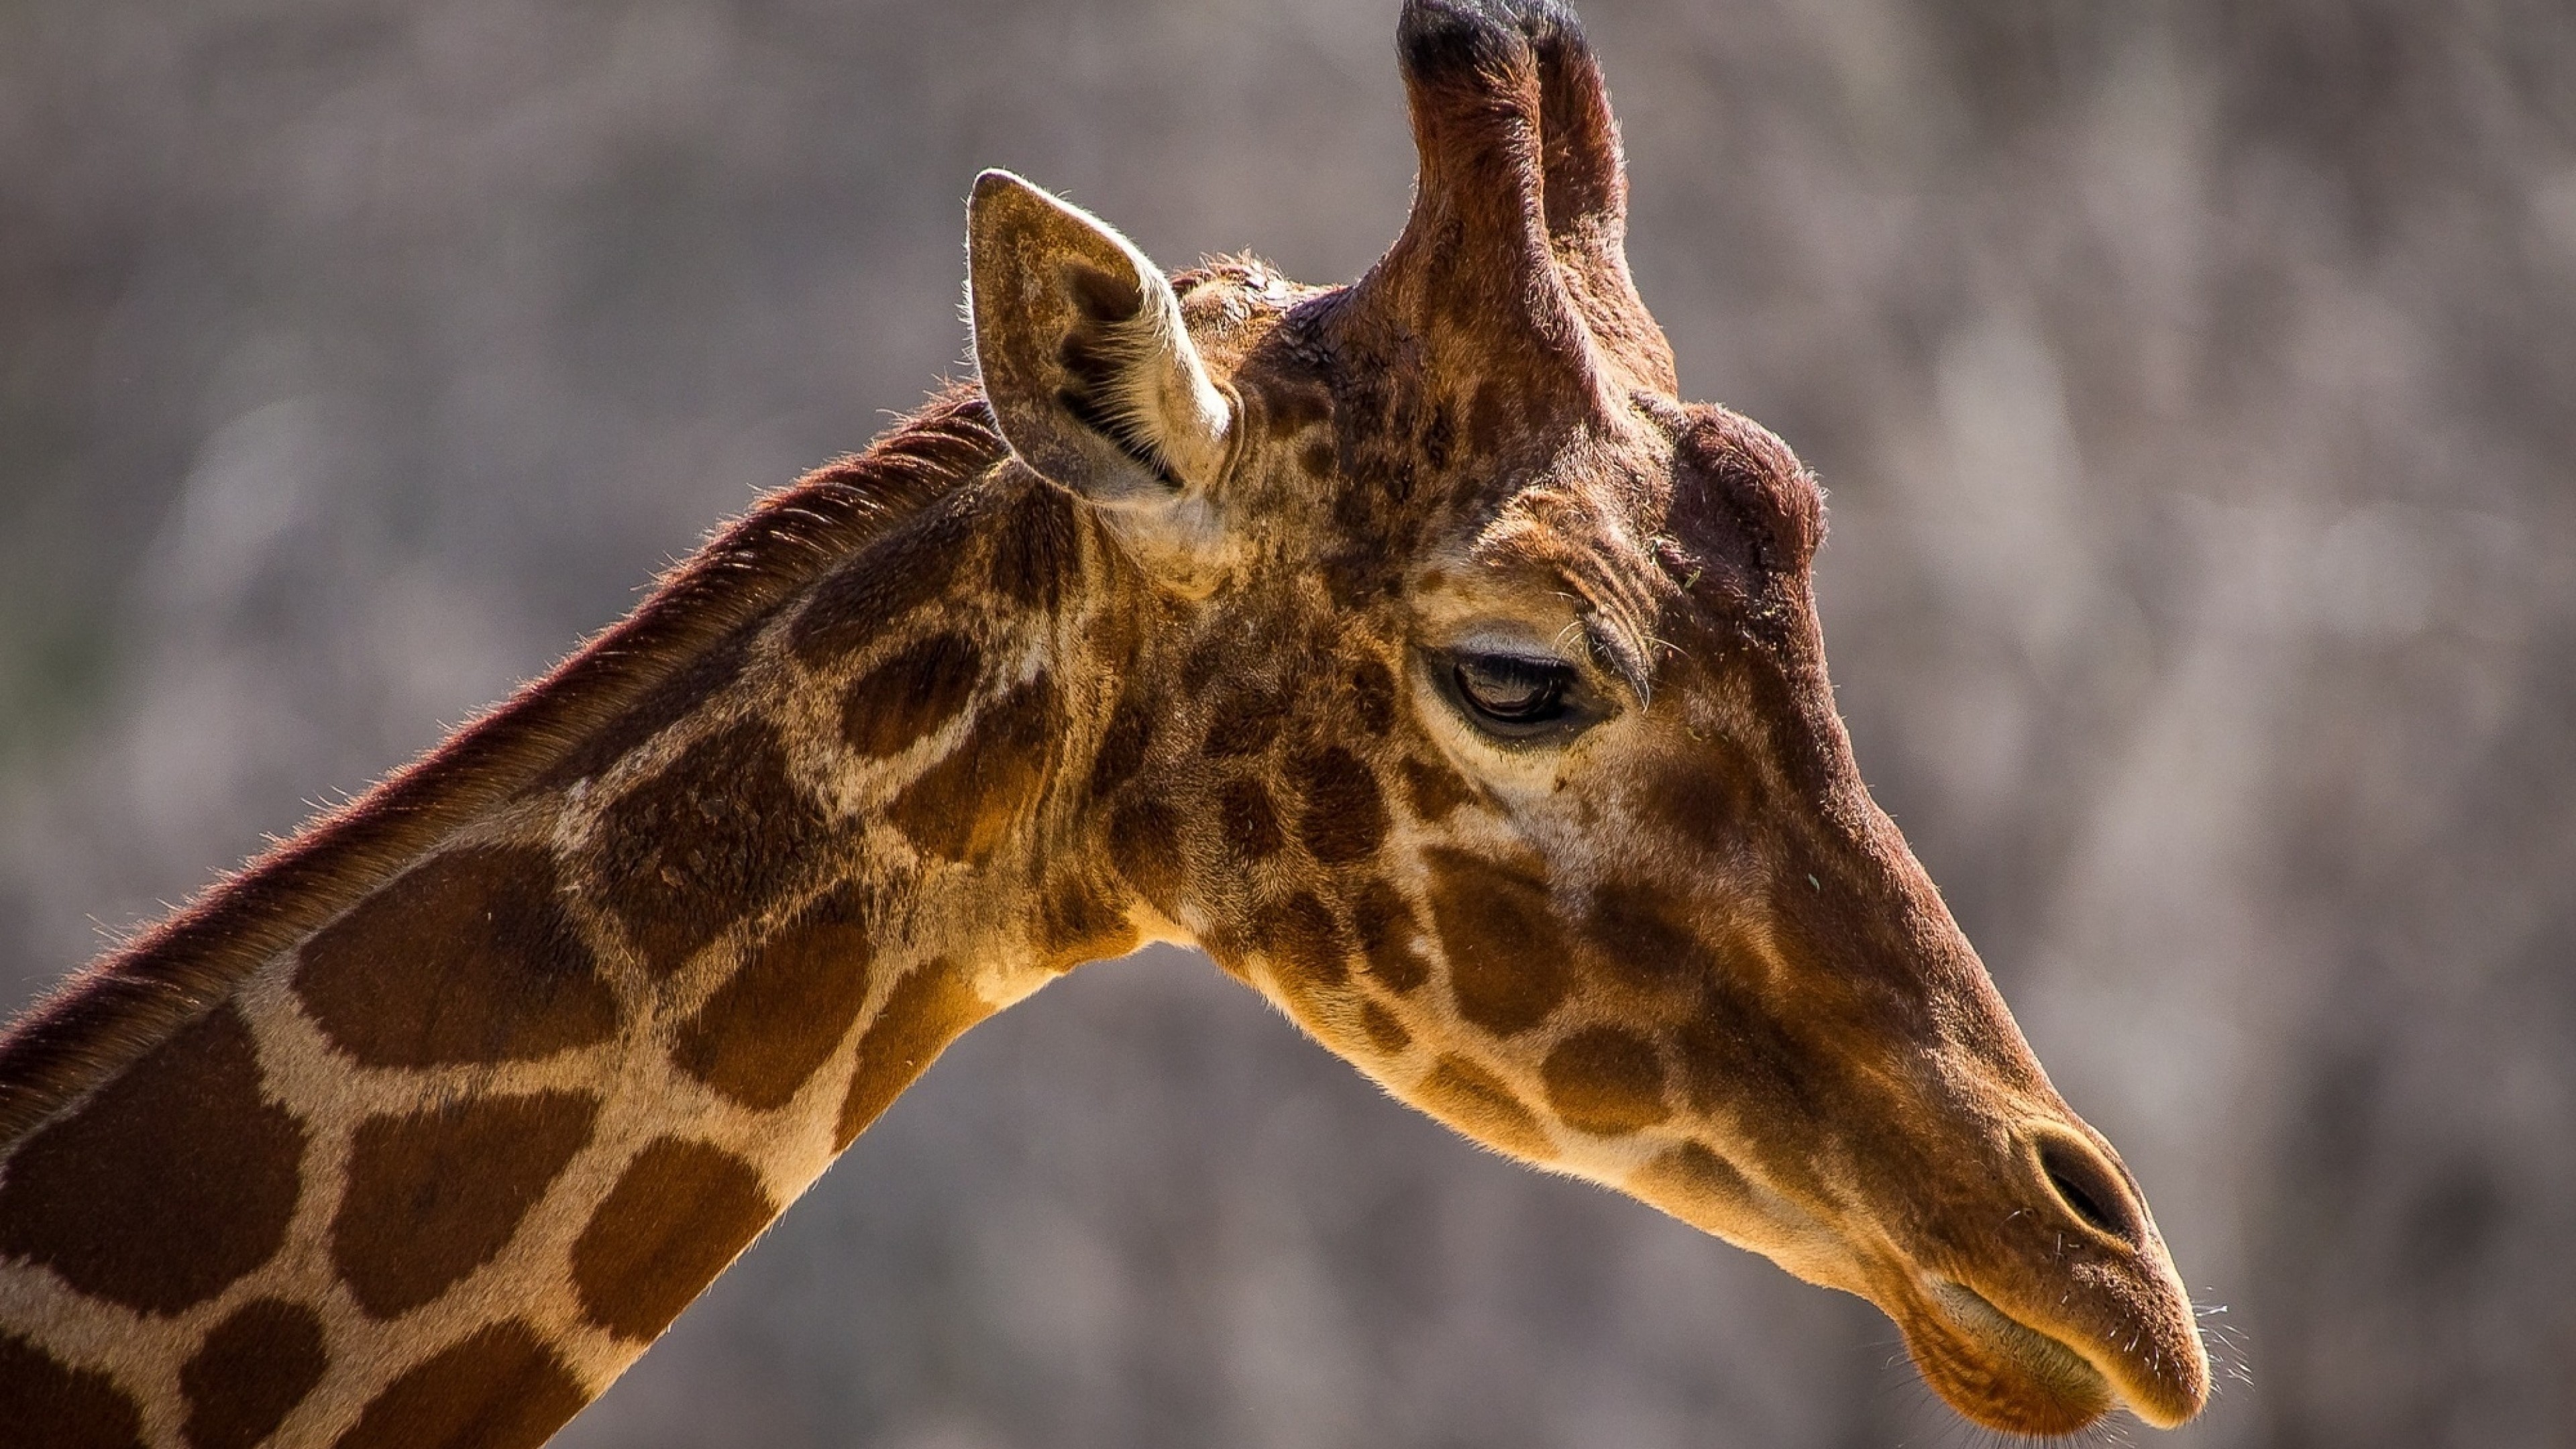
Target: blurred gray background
point(2196, 385)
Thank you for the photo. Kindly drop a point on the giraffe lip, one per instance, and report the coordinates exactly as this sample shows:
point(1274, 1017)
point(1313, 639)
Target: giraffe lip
point(2000, 1371)
point(2070, 1378)
point(1974, 1311)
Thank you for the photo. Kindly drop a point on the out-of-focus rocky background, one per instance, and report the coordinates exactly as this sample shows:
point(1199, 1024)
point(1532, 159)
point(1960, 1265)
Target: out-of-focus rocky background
point(2196, 382)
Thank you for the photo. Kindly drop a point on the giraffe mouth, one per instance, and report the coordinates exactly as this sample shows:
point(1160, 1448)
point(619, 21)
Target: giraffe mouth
point(1998, 1370)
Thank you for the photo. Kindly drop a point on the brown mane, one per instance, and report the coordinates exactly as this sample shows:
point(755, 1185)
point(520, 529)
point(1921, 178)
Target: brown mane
point(106, 1015)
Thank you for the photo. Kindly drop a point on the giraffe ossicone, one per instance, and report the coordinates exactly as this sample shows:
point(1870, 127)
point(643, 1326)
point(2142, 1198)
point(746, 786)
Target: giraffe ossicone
point(1409, 645)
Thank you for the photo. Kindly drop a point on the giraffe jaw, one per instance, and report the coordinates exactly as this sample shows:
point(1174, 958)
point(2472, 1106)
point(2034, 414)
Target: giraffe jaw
point(2008, 1374)
point(1999, 1371)
point(1994, 1368)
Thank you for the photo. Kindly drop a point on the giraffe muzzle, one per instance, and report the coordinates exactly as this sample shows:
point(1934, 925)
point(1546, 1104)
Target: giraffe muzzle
point(2072, 1311)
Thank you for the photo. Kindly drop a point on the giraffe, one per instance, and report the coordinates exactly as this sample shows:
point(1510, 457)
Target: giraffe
point(1408, 645)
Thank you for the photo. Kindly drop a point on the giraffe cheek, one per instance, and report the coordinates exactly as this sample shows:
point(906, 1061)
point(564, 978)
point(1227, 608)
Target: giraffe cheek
point(1387, 932)
point(1476, 1102)
point(1308, 957)
point(1384, 1032)
point(1696, 1185)
point(1507, 955)
point(1434, 790)
point(1708, 802)
point(1606, 1082)
point(1345, 818)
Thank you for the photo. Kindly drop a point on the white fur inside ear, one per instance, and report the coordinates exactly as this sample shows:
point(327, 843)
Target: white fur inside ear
point(1159, 395)
point(1113, 402)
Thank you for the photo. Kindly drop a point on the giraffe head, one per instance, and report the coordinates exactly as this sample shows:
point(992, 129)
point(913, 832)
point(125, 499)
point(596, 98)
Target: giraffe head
point(1471, 704)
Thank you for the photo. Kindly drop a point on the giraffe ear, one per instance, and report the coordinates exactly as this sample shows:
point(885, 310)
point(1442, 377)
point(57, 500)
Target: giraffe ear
point(1085, 359)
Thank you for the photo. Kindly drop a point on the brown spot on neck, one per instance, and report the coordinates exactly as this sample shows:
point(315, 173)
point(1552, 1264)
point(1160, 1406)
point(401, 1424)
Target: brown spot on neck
point(467, 957)
point(910, 695)
point(857, 602)
point(1037, 554)
point(434, 1195)
point(681, 1212)
point(250, 1373)
point(44, 1403)
point(170, 1184)
point(964, 807)
point(929, 1009)
point(719, 834)
point(497, 1388)
point(104, 1019)
point(776, 1021)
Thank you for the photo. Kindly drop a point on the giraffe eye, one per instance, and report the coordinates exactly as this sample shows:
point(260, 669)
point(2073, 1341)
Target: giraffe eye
point(1512, 696)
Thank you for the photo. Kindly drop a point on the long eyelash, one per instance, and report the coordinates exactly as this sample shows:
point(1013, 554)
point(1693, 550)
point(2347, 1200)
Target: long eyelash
point(1516, 670)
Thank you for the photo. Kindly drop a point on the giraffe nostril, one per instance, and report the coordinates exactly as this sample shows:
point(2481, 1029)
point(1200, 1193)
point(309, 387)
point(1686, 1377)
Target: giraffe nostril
point(2091, 1188)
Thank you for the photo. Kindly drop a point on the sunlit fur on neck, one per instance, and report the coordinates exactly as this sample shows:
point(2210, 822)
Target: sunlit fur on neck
point(133, 998)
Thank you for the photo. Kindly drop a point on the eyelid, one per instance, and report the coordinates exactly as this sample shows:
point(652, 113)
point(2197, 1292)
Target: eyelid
point(1561, 677)
point(1617, 662)
point(1587, 671)
point(1547, 664)
point(1523, 645)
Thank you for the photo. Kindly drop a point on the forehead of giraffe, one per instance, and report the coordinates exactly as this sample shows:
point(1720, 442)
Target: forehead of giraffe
point(1633, 517)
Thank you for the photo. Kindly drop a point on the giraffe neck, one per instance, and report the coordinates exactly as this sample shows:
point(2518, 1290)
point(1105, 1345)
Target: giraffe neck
point(447, 1156)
